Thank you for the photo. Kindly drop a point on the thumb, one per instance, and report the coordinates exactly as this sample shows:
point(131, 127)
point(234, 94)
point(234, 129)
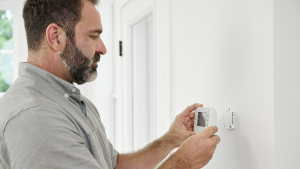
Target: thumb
point(189, 109)
point(188, 134)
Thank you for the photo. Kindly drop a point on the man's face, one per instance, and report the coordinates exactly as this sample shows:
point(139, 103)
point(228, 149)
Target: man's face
point(81, 57)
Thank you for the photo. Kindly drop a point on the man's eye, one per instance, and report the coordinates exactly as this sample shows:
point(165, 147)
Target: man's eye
point(94, 37)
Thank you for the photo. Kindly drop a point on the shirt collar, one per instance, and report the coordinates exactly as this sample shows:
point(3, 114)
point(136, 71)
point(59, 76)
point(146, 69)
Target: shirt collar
point(66, 89)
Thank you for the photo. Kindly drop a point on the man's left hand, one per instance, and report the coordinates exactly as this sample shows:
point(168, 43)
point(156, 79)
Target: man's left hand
point(182, 127)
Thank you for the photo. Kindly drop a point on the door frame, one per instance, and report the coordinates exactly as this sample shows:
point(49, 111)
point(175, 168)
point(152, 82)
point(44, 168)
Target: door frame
point(162, 66)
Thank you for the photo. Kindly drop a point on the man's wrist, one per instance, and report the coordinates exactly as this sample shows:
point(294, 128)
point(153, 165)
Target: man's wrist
point(176, 161)
point(167, 142)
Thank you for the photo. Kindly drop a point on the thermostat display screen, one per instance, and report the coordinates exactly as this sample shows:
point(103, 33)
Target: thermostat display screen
point(201, 119)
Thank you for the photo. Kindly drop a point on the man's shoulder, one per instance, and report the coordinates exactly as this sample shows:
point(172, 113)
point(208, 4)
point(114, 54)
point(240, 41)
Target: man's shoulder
point(39, 117)
point(24, 94)
point(19, 96)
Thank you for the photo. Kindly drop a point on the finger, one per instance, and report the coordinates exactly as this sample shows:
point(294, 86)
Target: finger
point(186, 120)
point(192, 115)
point(216, 139)
point(189, 109)
point(189, 126)
point(210, 131)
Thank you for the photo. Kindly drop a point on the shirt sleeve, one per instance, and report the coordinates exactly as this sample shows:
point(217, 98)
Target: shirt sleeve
point(40, 138)
point(114, 155)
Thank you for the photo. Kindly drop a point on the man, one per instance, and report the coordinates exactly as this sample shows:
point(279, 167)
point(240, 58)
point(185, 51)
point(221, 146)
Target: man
point(46, 123)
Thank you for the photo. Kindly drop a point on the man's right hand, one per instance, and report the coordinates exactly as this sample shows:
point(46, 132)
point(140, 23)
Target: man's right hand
point(196, 151)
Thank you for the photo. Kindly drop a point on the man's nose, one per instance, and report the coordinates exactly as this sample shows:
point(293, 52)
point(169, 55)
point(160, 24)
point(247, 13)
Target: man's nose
point(100, 48)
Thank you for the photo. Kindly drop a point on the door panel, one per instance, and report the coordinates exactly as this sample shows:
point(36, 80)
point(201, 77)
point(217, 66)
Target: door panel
point(138, 76)
point(142, 88)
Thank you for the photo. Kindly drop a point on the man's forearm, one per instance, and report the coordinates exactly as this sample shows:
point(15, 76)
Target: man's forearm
point(148, 157)
point(174, 161)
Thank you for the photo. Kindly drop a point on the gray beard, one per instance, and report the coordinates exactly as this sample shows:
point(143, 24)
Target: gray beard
point(78, 65)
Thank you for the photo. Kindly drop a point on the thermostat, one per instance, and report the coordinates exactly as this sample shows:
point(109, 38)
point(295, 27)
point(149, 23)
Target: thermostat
point(204, 117)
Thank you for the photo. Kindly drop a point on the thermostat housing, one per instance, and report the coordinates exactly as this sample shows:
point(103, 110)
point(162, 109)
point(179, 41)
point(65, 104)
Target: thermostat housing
point(204, 117)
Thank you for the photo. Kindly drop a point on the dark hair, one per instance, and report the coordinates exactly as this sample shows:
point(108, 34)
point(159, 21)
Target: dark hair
point(38, 14)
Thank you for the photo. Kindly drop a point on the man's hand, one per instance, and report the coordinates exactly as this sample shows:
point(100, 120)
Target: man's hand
point(180, 133)
point(182, 127)
point(195, 152)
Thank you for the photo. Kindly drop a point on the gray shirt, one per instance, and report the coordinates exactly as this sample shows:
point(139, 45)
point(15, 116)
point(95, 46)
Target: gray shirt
point(46, 123)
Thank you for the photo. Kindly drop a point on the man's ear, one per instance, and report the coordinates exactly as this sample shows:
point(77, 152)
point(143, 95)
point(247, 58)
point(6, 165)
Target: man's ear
point(56, 37)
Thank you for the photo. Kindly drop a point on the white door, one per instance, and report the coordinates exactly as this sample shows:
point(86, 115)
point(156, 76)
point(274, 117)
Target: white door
point(141, 74)
point(138, 74)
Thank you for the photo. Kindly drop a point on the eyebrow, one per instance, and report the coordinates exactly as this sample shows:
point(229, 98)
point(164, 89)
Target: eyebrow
point(99, 31)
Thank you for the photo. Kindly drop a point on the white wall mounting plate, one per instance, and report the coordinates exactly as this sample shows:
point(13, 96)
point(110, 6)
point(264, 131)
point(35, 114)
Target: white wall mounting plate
point(228, 119)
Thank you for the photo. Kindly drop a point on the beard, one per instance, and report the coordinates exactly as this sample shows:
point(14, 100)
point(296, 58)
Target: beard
point(79, 66)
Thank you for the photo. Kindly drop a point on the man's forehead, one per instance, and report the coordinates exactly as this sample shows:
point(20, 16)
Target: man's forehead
point(90, 17)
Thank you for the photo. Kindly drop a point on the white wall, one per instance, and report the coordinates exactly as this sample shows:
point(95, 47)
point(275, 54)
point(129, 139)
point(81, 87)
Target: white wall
point(223, 57)
point(287, 82)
